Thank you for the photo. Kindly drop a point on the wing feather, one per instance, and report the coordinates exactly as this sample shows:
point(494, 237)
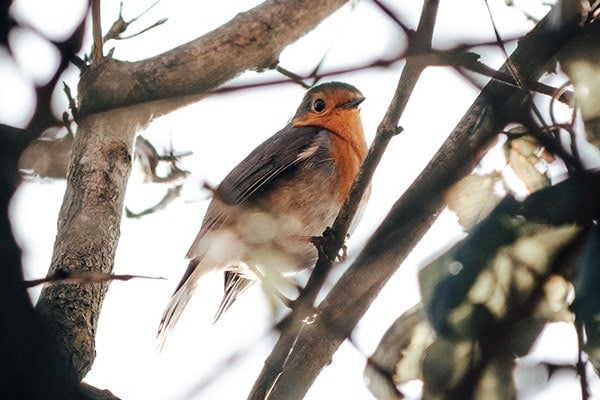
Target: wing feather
point(275, 155)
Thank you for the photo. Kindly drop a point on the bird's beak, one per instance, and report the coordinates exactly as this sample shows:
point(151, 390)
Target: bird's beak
point(352, 103)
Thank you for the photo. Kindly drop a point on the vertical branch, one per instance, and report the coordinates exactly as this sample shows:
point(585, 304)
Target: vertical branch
point(97, 32)
point(88, 233)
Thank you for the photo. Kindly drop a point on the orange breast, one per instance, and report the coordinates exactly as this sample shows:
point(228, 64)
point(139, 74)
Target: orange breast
point(348, 147)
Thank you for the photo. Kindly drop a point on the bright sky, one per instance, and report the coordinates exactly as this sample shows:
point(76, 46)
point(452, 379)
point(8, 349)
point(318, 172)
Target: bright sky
point(127, 362)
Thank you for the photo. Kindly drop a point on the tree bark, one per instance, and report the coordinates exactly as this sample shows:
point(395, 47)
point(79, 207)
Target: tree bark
point(88, 233)
point(250, 41)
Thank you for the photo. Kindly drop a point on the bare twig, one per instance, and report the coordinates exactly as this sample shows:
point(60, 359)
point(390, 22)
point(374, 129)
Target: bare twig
point(120, 25)
point(97, 33)
point(559, 94)
point(458, 57)
point(150, 159)
point(543, 133)
point(556, 96)
point(386, 130)
point(296, 78)
point(84, 277)
point(67, 123)
point(146, 29)
point(392, 16)
point(172, 194)
point(315, 75)
point(72, 102)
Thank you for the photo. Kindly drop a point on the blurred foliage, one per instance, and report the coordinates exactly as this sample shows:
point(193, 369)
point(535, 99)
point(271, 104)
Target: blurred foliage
point(486, 300)
point(581, 62)
point(398, 357)
point(587, 302)
point(528, 159)
point(475, 196)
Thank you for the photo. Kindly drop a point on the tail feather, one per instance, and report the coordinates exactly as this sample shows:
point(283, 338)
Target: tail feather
point(177, 303)
point(235, 284)
point(172, 314)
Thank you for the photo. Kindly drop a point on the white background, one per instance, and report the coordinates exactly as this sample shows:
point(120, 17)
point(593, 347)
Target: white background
point(207, 361)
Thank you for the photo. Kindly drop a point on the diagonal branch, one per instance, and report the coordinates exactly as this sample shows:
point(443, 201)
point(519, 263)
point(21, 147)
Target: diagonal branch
point(411, 216)
point(250, 41)
point(286, 375)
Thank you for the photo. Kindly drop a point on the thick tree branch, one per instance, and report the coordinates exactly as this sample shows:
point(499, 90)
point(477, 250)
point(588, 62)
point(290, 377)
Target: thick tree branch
point(410, 217)
point(252, 40)
point(88, 233)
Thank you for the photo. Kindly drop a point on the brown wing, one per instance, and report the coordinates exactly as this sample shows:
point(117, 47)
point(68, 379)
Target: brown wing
point(288, 147)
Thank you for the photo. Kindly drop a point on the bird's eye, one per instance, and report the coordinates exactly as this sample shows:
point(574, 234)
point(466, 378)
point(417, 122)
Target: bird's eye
point(319, 105)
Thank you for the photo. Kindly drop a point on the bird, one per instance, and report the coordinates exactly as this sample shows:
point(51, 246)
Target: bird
point(264, 215)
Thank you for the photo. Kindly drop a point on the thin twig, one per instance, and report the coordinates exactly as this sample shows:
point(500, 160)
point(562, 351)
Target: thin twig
point(67, 123)
point(392, 16)
point(120, 25)
point(558, 93)
point(84, 277)
point(457, 57)
point(97, 33)
point(296, 78)
point(154, 25)
point(71, 100)
point(334, 237)
point(549, 141)
point(143, 12)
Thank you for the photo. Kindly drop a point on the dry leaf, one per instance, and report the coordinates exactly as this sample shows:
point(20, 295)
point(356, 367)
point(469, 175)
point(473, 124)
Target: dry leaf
point(473, 198)
point(528, 158)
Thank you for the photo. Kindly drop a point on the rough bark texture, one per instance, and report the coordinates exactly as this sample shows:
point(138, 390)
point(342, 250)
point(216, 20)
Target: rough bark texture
point(307, 351)
point(88, 233)
point(252, 40)
point(116, 98)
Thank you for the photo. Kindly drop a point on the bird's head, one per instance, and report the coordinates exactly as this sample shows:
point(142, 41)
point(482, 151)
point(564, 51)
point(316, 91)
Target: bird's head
point(332, 105)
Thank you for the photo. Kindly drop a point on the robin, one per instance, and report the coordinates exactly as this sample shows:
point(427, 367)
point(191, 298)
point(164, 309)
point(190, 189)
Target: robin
point(265, 213)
